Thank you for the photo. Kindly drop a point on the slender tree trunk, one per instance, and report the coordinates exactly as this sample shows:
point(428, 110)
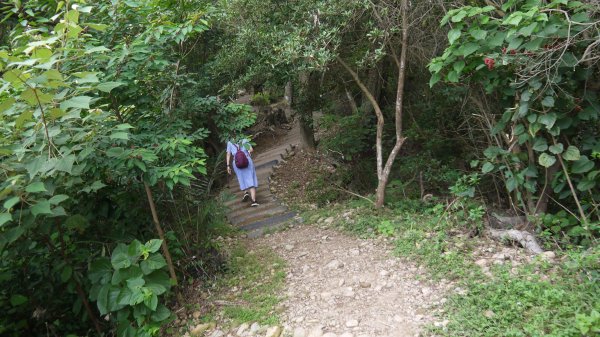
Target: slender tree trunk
point(161, 233)
point(399, 108)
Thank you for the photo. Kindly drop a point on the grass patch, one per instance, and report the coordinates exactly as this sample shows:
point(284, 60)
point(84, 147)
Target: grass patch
point(250, 288)
point(536, 299)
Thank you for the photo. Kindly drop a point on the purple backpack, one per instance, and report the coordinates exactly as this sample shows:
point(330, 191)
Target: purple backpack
point(241, 161)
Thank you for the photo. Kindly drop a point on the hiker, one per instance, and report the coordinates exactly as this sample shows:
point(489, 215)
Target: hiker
point(246, 176)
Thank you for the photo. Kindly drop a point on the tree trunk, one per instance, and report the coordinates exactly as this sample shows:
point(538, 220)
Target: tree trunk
point(289, 98)
point(161, 233)
point(306, 103)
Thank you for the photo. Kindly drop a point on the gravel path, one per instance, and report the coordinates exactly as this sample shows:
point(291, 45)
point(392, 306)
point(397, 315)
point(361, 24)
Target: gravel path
point(338, 285)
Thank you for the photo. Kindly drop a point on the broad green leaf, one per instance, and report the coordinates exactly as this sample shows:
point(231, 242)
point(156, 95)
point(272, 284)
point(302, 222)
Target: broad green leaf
point(459, 16)
point(452, 76)
point(569, 60)
point(487, 167)
point(114, 151)
point(586, 184)
point(121, 275)
point(65, 164)
point(156, 288)
point(35, 187)
point(540, 144)
point(511, 184)
point(514, 42)
point(160, 314)
point(97, 26)
point(57, 199)
point(528, 30)
point(514, 19)
point(557, 148)
point(14, 76)
point(120, 261)
point(151, 302)
point(453, 35)
point(100, 270)
point(582, 165)
point(546, 160)
point(468, 48)
point(17, 300)
point(78, 102)
point(135, 284)
point(102, 300)
point(7, 104)
point(119, 135)
point(153, 262)
point(8, 204)
point(153, 245)
point(113, 299)
point(548, 101)
point(479, 34)
point(548, 120)
point(86, 77)
point(41, 207)
point(4, 218)
point(459, 66)
point(23, 118)
point(434, 79)
point(96, 185)
point(572, 153)
point(109, 86)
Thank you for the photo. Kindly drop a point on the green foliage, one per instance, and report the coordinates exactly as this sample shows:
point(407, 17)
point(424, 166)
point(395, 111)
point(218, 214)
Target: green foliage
point(261, 98)
point(534, 58)
point(258, 275)
point(128, 285)
point(343, 137)
point(567, 230)
point(90, 104)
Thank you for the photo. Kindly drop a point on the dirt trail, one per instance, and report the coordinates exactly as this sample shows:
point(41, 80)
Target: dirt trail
point(339, 285)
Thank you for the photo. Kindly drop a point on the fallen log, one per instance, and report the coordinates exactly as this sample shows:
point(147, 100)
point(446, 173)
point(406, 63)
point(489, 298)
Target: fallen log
point(526, 239)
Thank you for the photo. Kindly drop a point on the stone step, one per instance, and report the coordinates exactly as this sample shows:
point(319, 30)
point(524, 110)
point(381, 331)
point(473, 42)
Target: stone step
point(263, 201)
point(286, 147)
point(258, 228)
point(262, 193)
point(257, 215)
point(244, 209)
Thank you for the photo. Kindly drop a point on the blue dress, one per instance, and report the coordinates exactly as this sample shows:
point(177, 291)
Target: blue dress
point(246, 176)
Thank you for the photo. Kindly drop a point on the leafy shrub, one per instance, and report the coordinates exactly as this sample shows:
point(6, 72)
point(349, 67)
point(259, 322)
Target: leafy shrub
point(566, 229)
point(261, 99)
point(344, 138)
point(128, 285)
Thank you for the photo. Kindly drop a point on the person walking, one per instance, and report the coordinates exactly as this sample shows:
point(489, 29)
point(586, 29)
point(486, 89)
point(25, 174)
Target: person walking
point(246, 175)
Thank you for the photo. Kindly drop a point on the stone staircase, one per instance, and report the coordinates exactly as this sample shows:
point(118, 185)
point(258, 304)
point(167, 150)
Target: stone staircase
point(270, 214)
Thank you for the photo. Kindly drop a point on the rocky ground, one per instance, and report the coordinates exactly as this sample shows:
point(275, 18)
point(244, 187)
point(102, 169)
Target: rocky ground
point(339, 285)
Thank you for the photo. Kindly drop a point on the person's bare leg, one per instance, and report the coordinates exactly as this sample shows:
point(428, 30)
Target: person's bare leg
point(253, 193)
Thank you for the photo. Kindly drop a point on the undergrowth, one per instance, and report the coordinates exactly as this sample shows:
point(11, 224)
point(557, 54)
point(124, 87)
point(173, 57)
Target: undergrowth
point(249, 289)
point(534, 299)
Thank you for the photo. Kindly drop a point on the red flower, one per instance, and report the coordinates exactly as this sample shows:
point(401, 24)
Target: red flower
point(489, 62)
point(512, 52)
point(503, 50)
